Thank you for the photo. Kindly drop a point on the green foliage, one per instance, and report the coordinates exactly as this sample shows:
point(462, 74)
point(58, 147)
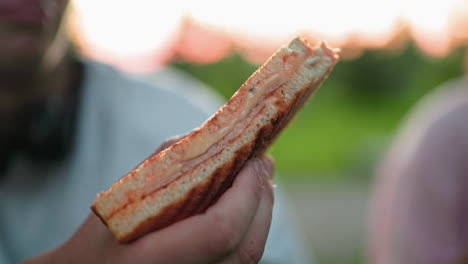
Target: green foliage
point(346, 125)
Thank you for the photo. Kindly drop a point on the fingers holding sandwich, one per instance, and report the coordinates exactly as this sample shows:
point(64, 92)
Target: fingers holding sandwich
point(233, 230)
point(241, 216)
point(251, 247)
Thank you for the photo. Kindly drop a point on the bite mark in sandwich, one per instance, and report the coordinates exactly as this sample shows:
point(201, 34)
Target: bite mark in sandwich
point(188, 177)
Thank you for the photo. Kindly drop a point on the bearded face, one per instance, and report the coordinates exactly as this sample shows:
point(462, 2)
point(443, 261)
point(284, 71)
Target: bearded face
point(27, 30)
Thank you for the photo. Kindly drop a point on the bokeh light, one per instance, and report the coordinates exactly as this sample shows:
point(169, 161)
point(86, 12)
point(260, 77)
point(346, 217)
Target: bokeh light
point(143, 34)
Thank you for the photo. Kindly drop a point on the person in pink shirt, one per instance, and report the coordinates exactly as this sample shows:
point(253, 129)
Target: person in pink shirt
point(419, 210)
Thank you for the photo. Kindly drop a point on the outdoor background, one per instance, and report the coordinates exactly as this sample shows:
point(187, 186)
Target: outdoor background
point(393, 53)
point(326, 157)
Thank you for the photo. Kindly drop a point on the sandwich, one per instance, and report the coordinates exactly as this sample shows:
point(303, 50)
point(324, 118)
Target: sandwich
point(189, 176)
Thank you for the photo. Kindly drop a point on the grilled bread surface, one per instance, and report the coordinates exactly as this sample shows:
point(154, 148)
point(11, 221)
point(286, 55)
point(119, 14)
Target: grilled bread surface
point(188, 177)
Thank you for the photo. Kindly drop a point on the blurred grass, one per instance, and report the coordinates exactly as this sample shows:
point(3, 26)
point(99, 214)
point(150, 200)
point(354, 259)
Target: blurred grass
point(346, 125)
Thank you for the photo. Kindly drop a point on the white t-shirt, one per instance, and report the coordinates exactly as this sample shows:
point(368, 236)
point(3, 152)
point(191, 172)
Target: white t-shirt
point(121, 121)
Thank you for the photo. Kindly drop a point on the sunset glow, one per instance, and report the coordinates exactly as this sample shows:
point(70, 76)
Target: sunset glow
point(146, 33)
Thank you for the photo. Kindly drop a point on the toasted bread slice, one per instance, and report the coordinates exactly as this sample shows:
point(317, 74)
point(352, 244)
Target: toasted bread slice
point(188, 177)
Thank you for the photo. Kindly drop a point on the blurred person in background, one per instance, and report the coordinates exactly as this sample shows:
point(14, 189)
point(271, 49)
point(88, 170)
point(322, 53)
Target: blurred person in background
point(70, 127)
point(419, 212)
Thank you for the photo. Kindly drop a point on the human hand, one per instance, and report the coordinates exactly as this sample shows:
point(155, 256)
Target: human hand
point(234, 230)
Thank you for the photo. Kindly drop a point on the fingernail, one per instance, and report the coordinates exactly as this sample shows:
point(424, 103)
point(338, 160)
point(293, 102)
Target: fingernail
point(258, 168)
point(268, 166)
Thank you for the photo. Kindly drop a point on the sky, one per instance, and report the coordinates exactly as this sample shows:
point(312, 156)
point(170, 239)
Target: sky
point(140, 35)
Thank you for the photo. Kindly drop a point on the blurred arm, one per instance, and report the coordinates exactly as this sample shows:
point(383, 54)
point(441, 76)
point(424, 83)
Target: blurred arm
point(420, 211)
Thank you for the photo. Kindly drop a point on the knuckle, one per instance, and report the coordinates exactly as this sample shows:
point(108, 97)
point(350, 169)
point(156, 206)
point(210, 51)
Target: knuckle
point(257, 190)
point(250, 254)
point(224, 237)
point(257, 187)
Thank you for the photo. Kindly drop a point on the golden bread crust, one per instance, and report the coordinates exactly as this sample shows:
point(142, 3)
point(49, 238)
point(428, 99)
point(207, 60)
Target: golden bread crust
point(188, 177)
